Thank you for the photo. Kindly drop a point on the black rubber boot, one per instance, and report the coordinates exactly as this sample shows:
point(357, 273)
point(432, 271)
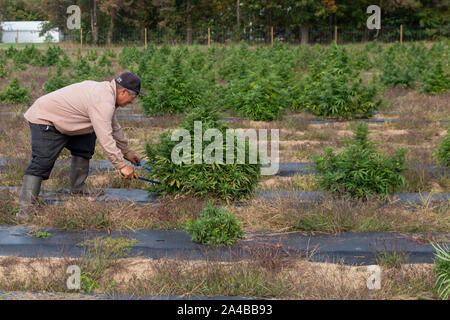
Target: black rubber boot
point(28, 195)
point(79, 171)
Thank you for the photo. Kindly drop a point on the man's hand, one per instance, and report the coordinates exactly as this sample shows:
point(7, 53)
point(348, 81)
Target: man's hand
point(128, 173)
point(130, 156)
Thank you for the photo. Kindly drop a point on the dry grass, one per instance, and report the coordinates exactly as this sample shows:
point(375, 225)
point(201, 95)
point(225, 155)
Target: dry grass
point(338, 215)
point(286, 278)
point(88, 214)
point(410, 104)
point(297, 182)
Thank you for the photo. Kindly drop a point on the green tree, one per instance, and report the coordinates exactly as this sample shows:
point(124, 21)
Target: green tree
point(306, 14)
point(20, 10)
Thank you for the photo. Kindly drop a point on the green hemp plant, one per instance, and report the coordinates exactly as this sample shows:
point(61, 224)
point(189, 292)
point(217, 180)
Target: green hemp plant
point(215, 226)
point(360, 171)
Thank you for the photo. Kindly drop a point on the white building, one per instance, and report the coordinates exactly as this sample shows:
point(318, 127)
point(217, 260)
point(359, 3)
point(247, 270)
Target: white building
point(27, 32)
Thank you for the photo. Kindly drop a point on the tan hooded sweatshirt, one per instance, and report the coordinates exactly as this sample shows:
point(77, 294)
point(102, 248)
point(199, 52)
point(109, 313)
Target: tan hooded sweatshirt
point(82, 108)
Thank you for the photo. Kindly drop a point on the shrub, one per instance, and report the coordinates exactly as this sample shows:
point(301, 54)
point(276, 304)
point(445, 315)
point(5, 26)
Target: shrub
point(436, 80)
point(92, 55)
point(129, 56)
point(84, 71)
point(11, 52)
point(104, 61)
point(30, 55)
point(51, 57)
point(359, 170)
point(174, 91)
point(65, 61)
point(20, 59)
point(226, 181)
point(334, 89)
point(110, 53)
point(257, 97)
point(214, 226)
point(260, 83)
point(396, 67)
point(13, 93)
point(55, 82)
point(4, 72)
point(442, 269)
point(443, 150)
point(360, 59)
point(151, 65)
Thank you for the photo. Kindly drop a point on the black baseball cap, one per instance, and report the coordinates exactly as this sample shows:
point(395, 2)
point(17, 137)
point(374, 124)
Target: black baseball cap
point(130, 81)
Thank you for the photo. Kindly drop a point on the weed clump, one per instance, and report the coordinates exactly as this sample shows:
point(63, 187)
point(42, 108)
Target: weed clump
point(359, 170)
point(228, 180)
point(100, 254)
point(215, 226)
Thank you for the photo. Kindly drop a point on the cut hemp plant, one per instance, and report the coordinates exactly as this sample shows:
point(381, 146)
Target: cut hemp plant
point(359, 170)
point(215, 226)
point(227, 180)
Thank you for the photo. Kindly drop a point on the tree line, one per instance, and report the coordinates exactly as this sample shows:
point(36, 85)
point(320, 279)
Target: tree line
point(107, 17)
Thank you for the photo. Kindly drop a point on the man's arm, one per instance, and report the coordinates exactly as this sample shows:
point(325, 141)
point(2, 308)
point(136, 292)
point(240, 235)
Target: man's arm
point(122, 141)
point(119, 136)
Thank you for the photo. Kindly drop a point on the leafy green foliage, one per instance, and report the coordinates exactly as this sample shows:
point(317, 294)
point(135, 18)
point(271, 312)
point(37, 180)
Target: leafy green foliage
point(442, 269)
point(443, 150)
point(436, 80)
point(215, 226)
point(405, 66)
point(110, 53)
point(11, 52)
point(257, 97)
point(56, 81)
point(51, 57)
point(92, 55)
point(42, 234)
point(13, 93)
point(359, 170)
point(84, 71)
point(232, 181)
point(395, 62)
point(87, 282)
point(104, 61)
point(4, 72)
point(101, 252)
point(260, 84)
point(151, 65)
point(129, 56)
point(333, 88)
point(65, 60)
point(174, 91)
